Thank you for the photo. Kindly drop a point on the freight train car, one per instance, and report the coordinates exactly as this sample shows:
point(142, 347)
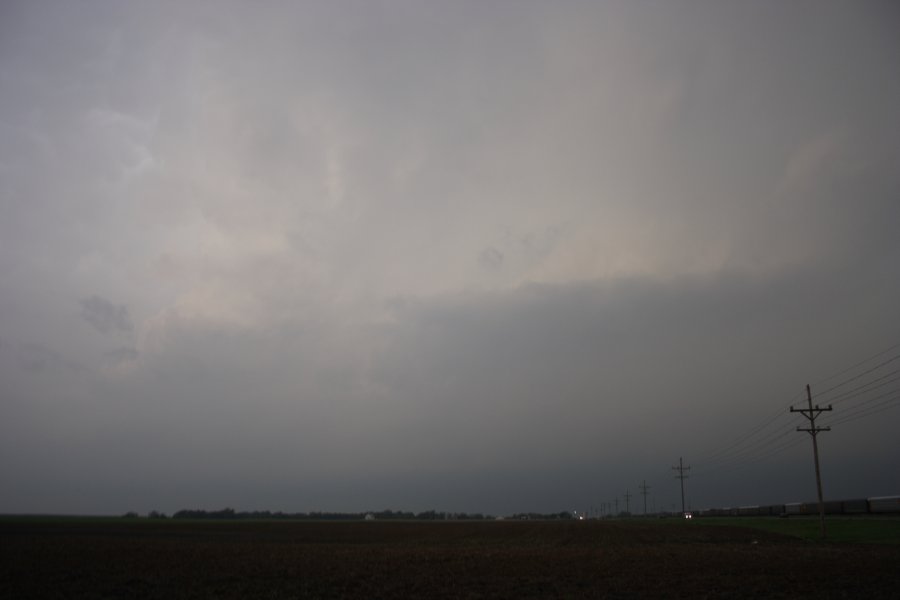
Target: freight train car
point(858, 506)
point(884, 504)
point(793, 508)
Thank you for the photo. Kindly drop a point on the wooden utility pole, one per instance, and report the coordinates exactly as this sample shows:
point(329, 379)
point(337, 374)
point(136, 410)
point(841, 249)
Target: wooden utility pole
point(627, 498)
point(681, 469)
point(811, 413)
point(644, 487)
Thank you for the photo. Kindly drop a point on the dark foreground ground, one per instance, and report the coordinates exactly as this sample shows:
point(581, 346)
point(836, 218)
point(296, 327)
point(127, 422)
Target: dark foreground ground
point(525, 559)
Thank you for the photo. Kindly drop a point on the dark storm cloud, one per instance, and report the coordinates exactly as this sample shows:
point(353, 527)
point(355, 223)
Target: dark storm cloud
point(357, 255)
point(491, 258)
point(622, 378)
point(105, 316)
point(567, 351)
point(496, 401)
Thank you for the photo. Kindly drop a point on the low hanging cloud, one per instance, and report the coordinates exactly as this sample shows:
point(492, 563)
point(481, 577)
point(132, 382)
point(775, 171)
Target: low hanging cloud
point(104, 316)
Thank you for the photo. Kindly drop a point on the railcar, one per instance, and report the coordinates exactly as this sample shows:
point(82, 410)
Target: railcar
point(793, 508)
point(856, 506)
point(772, 510)
point(884, 504)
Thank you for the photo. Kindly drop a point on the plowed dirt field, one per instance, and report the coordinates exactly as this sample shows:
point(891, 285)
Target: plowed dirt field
point(504, 559)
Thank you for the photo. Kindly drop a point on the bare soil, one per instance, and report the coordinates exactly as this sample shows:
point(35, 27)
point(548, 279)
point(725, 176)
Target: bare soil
point(506, 559)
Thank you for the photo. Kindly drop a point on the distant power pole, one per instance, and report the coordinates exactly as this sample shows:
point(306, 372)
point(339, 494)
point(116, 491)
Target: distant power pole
point(617, 506)
point(681, 469)
point(644, 487)
point(811, 413)
point(627, 498)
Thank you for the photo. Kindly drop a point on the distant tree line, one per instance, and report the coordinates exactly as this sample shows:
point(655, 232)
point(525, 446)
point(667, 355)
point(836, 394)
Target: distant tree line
point(153, 514)
point(543, 516)
point(381, 515)
point(231, 514)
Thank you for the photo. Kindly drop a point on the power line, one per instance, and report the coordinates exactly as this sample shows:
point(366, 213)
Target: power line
point(727, 449)
point(860, 363)
point(747, 445)
point(855, 377)
point(751, 447)
point(777, 450)
point(871, 410)
point(848, 395)
point(746, 462)
point(749, 455)
point(746, 453)
point(860, 405)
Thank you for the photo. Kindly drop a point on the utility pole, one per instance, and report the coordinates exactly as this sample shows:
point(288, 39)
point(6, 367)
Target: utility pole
point(617, 506)
point(811, 413)
point(627, 498)
point(644, 487)
point(681, 469)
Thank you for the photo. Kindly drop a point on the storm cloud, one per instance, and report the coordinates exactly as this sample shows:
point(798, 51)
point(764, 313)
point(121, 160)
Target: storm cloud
point(104, 316)
point(485, 257)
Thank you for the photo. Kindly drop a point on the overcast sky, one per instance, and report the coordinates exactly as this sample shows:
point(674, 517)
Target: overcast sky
point(471, 256)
